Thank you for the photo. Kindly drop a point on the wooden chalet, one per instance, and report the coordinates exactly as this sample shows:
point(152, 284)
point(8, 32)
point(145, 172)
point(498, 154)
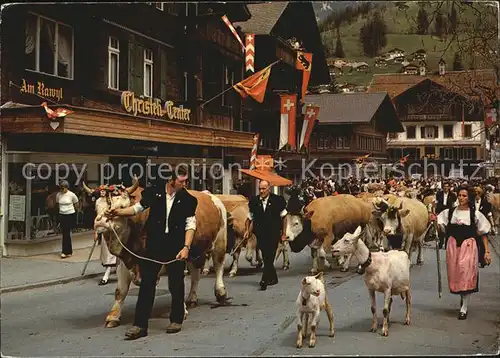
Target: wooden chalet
point(134, 76)
point(443, 117)
point(274, 23)
point(350, 126)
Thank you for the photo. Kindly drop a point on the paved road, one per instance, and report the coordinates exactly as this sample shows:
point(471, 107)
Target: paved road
point(67, 320)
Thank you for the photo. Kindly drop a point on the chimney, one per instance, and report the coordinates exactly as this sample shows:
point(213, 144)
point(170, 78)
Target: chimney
point(442, 67)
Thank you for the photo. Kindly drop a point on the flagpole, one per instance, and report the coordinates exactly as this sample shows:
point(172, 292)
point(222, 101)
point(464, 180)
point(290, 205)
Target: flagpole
point(227, 89)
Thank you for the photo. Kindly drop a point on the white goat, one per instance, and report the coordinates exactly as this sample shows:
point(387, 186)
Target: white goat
point(311, 300)
point(386, 272)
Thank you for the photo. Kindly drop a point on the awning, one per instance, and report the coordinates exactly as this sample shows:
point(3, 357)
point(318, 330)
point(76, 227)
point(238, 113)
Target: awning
point(273, 178)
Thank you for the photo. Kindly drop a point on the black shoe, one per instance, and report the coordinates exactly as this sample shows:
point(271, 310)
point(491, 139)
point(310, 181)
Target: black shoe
point(135, 333)
point(462, 316)
point(263, 285)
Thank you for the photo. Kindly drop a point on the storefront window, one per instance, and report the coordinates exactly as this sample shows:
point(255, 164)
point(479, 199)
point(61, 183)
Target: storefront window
point(32, 209)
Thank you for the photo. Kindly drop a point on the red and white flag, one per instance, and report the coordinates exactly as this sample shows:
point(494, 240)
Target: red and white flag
point(253, 155)
point(233, 30)
point(58, 113)
point(250, 53)
point(288, 116)
point(310, 117)
point(491, 117)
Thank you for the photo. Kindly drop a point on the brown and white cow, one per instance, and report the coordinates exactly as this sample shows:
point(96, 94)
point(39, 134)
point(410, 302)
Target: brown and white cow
point(237, 209)
point(211, 233)
point(316, 225)
point(407, 218)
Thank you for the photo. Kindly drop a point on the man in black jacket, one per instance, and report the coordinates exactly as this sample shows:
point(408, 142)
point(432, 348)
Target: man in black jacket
point(445, 199)
point(170, 230)
point(267, 221)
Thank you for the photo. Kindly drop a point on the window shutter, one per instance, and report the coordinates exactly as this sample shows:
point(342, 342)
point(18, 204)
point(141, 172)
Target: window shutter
point(131, 65)
point(138, 79)
point(422, 132)
point(163, 75)
point(436, 132)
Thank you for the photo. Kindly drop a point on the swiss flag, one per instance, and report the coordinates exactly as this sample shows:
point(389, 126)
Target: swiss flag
point(309, 119)
point(288, 120)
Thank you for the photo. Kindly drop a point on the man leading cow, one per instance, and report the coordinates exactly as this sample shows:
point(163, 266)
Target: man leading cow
point(170, 231)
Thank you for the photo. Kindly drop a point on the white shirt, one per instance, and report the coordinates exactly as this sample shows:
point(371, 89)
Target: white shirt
point(66, 201)
point(264, 205)
point(463, 217)
point(190, 221)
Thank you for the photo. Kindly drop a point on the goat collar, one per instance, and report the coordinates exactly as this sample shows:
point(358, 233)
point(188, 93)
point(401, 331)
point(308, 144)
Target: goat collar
point(362, 267)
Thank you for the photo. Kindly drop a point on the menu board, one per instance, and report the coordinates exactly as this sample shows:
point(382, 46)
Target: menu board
point(17, 207)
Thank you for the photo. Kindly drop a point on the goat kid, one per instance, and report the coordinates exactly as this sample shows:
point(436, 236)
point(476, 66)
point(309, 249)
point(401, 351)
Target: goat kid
point(311, 300)
point(386, 272)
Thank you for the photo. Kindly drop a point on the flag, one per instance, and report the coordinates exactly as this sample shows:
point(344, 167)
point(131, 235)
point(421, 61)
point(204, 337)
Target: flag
point(491, 117)
point(250, 53)
point(361, 159)
point(58, 113)
point(403, 160)
point(304, 63)
point(288, 115)
point(233, 30)
point(308, 125)
point(255, 85)
point(253, 155)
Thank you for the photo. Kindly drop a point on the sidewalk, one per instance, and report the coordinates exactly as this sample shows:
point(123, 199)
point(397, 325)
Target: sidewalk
point(24, 273)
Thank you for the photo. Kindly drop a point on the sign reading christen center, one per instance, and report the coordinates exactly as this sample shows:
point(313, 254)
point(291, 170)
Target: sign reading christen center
point(153, 107)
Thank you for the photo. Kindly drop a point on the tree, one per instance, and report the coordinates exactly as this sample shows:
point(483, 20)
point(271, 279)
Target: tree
point(452, 17)
point(457, 63)
point(339, 49)
point(473, 39)
point(373, 35)
point(422, 22)
point(439, 25)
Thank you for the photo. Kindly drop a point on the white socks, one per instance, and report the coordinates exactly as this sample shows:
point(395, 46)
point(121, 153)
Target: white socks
point(106, 274)
point(465, 302)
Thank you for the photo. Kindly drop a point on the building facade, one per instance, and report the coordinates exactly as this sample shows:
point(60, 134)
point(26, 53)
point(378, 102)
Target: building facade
point(351, 126)
point(444, 121)
point(135, 89)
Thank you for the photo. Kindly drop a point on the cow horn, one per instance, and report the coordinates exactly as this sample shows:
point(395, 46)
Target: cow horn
point(135, 185)
point(86, 188)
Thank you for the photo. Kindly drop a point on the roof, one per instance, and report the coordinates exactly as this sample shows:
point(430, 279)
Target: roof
point(456, 81)
point(354, 108)
point(264, 17)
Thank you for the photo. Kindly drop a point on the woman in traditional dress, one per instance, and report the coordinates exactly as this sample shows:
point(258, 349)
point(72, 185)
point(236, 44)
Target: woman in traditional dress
point(467, 246)
point(108, 260)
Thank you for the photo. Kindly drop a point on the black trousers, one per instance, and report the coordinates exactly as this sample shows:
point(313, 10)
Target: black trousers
point(149, 273)
point(268, 244)
point(67, 223)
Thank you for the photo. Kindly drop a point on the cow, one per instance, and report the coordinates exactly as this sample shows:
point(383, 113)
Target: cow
point(237, 210)
point(405, 218)
point(494, 200)
point(315, 225)
point(123, 237)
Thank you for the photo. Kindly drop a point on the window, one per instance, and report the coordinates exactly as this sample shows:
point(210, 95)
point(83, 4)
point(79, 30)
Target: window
point(468, 131)
point(227, 81)
point(48, 47)
point(446, 153)
point(148, 73)
point(429, 132)
point(448, 131)
point(411, 132)
point(159, 5)
point(469, 153)
point(321, 143)
point(113, 63)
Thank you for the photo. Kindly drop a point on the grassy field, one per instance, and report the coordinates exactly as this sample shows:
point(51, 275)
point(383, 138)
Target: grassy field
point(401, 27)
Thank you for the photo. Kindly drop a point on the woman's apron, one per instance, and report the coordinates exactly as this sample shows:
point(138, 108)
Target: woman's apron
point(462, 256)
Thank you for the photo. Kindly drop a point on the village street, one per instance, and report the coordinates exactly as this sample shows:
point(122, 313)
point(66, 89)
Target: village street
point(67, 320)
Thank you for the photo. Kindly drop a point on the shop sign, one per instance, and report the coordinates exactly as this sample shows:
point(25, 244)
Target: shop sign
point(153, 107)
point(40, 89)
